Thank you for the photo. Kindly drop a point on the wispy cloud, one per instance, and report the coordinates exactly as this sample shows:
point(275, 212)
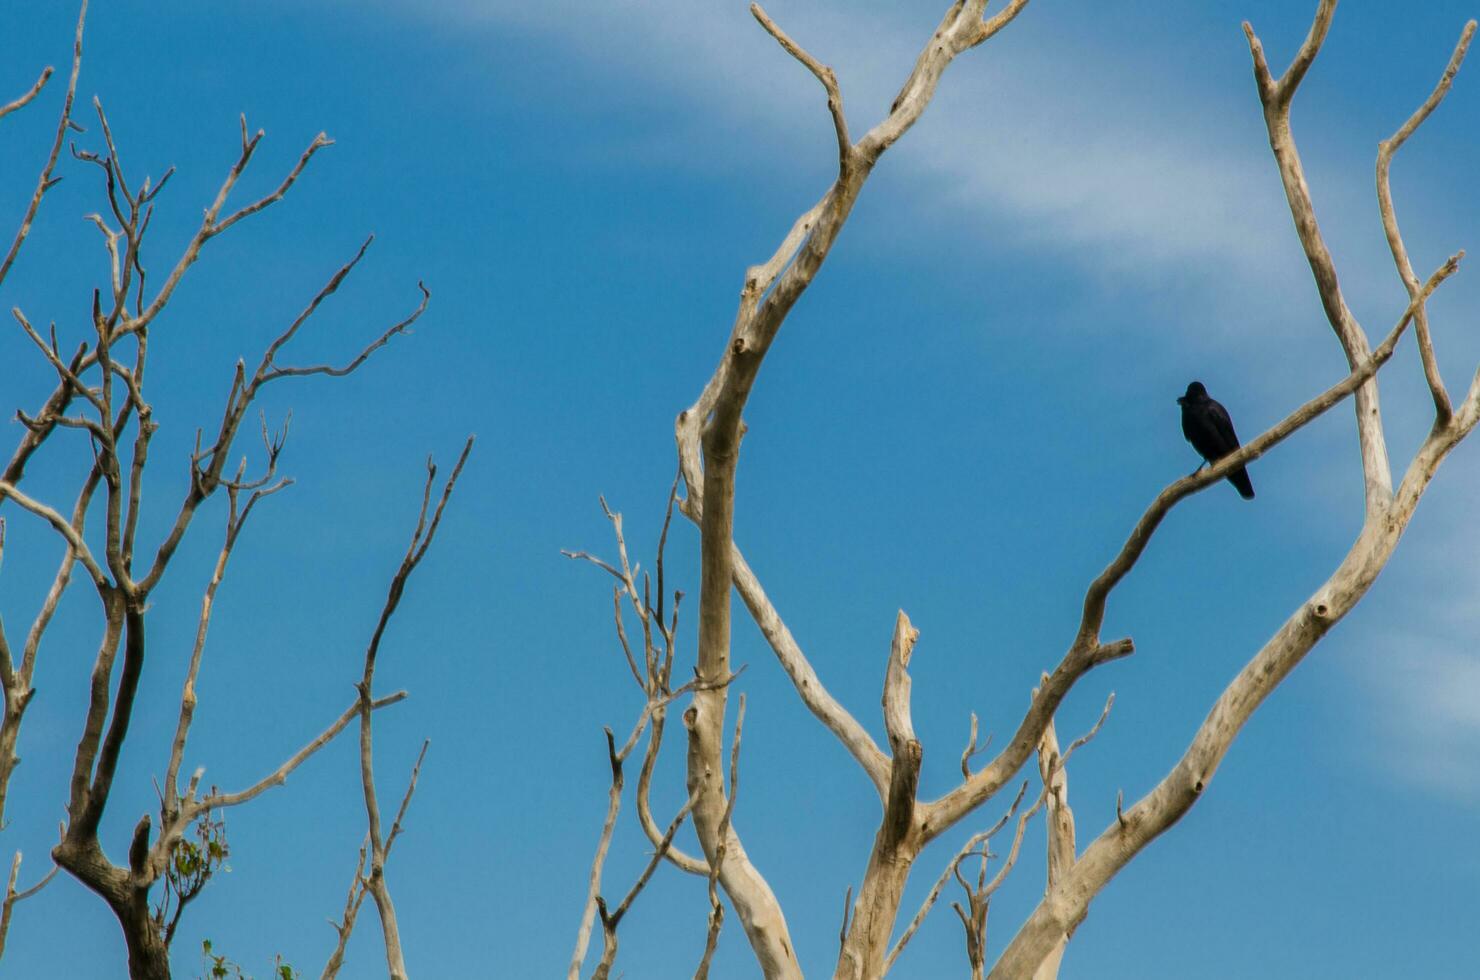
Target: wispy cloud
point(1424, 690)
point(1155, 177)
point(1131, 174)
point(1419, 679)
point(1151, 172)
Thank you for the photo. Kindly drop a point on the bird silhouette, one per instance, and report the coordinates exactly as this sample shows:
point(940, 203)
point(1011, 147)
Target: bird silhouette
point(1207, 426)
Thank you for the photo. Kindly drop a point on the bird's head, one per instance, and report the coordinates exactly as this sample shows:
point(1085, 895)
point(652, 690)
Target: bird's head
point(1195, 393)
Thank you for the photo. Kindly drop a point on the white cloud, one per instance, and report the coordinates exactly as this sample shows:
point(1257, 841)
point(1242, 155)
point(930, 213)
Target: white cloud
point(1420, 679)
point(1151, 171)
point(1131, 172)
point(1152, 176)
point(1424, 690)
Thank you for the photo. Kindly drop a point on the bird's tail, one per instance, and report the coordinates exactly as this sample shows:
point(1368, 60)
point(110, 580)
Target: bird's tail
point(1240, 479)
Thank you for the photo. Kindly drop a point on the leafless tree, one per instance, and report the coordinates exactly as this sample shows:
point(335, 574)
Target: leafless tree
point(708, 436)
point(100, 397)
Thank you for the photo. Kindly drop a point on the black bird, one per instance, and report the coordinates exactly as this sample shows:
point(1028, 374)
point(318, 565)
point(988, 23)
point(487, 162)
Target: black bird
point(1207, 426)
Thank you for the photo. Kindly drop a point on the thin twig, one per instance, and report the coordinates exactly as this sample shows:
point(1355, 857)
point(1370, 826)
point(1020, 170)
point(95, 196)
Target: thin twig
point(421, 540)
point(346, 926)
point(22, 101)
point(940, 882)
point(13, 897)
point(44, 182)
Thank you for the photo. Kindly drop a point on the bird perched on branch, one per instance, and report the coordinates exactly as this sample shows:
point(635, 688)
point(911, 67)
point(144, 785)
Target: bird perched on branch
point(1207, 426)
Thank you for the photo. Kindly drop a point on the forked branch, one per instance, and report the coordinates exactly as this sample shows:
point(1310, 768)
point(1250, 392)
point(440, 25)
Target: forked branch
point(1385, 152)
point(357, 888)
point(1087, 652)
point(13, 897)
point(824, 75)
point(421, 540)
point(1387, 516)
point(1276, 96)
point(45, 182)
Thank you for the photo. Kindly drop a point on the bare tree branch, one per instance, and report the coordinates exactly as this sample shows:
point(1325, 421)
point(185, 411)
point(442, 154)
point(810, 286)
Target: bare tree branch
point(79, 549)
point(972, 749)
point(1385, 151)
point(210, 227)
point(898, 839)
point(804, 678)
point(1276, 96)
point(1087, 652)
point(421, 540)
point(711, 938)
point(593, 892)
point(716, 865)
point(204, 480)
point(45, 182)
point(713, 427)
point(216, 800)
point(1387, 516)
point(930, 899)
point(12, 896)
point(110, 402)
point(824, 75)
point(346, 926)
point(17, 681)
point(654, 677)
point(610, 920)
point(53, 356)
point(236, 519)
point(23, 100)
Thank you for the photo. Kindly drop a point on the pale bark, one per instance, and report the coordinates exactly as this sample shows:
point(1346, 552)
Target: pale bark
point(593, 890)
point(1276, 96)
point(360, 884)
point(1386, 517)
point(1385, 151)
point(14, 896)
point(712, 429)
point(378, 842)
point(899, 837)
point(708, 436)
point(107, 381)
point(654, 678)
point(1052, 767)
point(970, 847)
point(346, 924)
point(1060, 819)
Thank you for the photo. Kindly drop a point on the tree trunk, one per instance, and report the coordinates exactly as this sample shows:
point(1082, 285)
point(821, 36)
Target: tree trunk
point(148, 957)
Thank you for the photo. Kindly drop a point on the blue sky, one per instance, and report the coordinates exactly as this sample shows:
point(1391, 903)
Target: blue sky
point(962, 418)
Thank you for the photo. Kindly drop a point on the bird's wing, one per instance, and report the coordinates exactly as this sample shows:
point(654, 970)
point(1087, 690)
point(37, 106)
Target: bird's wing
point(1218, 415)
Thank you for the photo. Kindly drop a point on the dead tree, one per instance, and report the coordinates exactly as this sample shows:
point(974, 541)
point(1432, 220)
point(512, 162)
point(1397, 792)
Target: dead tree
point(708, 436)
point(1388, 509)
point(101, 397)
